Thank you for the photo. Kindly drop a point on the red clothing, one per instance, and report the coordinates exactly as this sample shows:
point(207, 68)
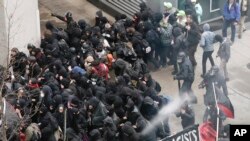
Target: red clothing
point(101, 70)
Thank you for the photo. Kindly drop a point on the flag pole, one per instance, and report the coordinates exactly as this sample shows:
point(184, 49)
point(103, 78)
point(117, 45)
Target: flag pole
point(218, 112)
point(179, 83)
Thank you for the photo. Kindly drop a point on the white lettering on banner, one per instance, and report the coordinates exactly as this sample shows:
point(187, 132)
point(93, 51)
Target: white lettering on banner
point(186, 137)
point(189, 136)
point(194, 134)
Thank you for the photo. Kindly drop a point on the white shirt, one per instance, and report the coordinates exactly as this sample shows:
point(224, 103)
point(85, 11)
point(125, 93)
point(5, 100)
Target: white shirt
point(230, 5)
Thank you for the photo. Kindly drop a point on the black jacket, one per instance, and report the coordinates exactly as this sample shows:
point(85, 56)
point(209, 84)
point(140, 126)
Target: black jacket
point(186, 71)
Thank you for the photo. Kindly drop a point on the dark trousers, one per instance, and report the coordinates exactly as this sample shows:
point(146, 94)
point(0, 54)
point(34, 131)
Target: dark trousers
point(226, 24)
point(191, 53)
point(149, 57)
point(175, 54)
point(207, 55)
point(163, 55)
point(186, 89)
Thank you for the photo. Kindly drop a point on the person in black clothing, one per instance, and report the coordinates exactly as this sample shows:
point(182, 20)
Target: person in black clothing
point(187, 116)
point(33, 70)
point(48, 124)
point(192, 38)
point(185, 73)
point(179, 45)
point(18, 61)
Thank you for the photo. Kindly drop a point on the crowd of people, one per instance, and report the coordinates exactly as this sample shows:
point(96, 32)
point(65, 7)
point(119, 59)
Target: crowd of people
point(93, 83)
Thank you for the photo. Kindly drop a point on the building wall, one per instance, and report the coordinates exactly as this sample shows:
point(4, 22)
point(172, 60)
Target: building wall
point(157, 5)
point(22, 24)
point(208, 14)
point(3, 37)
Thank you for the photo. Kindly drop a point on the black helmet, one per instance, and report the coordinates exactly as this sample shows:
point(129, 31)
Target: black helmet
point(181, 57)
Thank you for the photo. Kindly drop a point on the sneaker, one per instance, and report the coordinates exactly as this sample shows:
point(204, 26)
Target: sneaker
point(244, 30)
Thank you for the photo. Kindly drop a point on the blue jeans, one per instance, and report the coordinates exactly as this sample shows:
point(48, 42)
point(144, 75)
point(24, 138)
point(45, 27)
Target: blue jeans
point(226, 24)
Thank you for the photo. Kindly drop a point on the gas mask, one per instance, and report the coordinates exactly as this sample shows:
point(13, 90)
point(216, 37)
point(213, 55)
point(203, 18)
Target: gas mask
point(181, 57)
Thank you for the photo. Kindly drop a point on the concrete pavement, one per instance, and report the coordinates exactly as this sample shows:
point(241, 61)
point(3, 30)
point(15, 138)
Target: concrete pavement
point(81, 9)
point(239, 84)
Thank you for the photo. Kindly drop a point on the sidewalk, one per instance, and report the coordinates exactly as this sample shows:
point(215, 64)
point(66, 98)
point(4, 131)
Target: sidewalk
point(238, 86)
point(81, 9)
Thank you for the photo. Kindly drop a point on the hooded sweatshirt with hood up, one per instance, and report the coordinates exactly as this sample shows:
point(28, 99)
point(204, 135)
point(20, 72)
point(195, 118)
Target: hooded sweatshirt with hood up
point(207, 39)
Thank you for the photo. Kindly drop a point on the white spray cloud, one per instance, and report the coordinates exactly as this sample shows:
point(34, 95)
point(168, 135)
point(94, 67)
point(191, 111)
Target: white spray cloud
point(164, 113)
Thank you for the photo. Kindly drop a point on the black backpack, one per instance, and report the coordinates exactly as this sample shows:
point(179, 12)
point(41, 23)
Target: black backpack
point(152, 36)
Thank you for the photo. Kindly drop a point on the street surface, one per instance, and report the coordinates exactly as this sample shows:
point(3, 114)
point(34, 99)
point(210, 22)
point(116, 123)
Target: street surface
point(239, 84)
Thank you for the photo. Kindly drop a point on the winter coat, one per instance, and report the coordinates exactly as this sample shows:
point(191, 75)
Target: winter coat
point(101, 70)
point(187, 118)
point(207, 39)
point(179, 43)
point(47, 95)
point(99, 112)
point(148, 110)
point(76, 121)
point(186, 71)
point(224, 50)
point(193, 35)
point(233, 13)
point(34, 70)
point(152, 37)
point(109, 130)
point(48, 127)
point(166, 35)
point(128, 133)
point(19, 63)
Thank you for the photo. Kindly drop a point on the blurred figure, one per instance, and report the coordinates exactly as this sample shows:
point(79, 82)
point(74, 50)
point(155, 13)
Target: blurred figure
point(187, 116)
point(244, 5)
point(198, 9)
point(224, 53)
point(207, 40)
point(231, 14)
point(181, 17)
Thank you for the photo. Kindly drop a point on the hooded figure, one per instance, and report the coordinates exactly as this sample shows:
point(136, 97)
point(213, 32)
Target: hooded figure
point(95, 135)
point(128, 133)
point(48, 125)
point(83, 25)
point(47, 95)
point(98, 17)
point(186, 73)
point(98, 112)
point(187, 116)
point(206, 42)
point(109, 129)
point(148, 109)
